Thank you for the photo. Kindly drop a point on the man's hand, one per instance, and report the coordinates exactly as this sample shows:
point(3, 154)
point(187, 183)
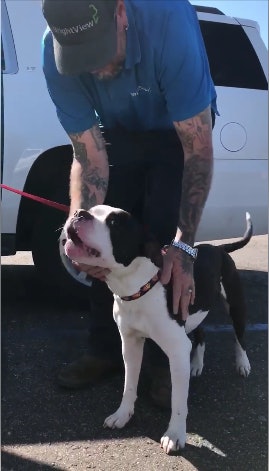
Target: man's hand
point(178, 265)
point(96, 272)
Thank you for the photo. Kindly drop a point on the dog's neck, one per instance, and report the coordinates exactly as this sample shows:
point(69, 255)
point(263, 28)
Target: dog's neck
point(125, 281)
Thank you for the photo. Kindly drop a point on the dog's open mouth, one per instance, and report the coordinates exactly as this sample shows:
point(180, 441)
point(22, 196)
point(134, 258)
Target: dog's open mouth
point(73, 235)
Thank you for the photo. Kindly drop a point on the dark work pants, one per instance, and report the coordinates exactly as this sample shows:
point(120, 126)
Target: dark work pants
point(145, 179)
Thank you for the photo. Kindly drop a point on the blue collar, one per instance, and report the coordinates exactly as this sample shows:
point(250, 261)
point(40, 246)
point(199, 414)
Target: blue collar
point(133, 52)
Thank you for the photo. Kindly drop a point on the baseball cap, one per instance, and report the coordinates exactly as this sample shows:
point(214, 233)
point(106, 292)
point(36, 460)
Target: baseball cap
point(84, 33)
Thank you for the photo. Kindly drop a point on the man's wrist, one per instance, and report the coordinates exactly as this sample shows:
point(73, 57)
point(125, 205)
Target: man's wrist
point(191, 251)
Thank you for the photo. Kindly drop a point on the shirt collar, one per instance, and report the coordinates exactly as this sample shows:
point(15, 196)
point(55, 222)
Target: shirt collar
point(133, 52)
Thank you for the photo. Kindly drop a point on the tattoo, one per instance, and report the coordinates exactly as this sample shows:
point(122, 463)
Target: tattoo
point(195, 188)
point(91, 181)
point(88, 200)
point(80, 150)
point(186, 261)
point(80, 153)
point(98, 138)
point(195, 133)
point(96, 180)
point(195, 136)
point(93, 186)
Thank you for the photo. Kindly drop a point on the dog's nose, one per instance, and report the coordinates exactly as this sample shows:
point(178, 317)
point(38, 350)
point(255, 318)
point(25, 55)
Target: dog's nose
point(82, 213)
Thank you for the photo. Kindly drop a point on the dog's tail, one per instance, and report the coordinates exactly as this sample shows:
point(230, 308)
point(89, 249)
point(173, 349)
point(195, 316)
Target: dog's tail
point(231, 247)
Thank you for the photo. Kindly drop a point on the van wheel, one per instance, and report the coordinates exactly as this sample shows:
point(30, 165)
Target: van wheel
point(46, 256)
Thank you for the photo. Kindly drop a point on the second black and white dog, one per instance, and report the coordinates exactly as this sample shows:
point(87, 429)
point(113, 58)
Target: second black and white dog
point(111, 238)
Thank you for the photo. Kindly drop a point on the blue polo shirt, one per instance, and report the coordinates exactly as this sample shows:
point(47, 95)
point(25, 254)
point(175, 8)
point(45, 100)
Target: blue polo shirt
point(165, 77)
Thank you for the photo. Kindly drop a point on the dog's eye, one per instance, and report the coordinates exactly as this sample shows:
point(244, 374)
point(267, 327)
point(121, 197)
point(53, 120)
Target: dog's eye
point(116, 220)
point(112, 221)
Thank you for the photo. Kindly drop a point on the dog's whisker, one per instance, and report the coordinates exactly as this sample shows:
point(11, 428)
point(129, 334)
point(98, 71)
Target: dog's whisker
point(59, 228)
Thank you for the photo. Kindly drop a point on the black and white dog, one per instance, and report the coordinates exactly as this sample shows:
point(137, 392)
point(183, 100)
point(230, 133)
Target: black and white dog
point(111, 238)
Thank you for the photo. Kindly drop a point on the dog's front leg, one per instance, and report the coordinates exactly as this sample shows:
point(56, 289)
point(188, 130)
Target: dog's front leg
point(175, 436)
point(132, 351)
point(177, 346)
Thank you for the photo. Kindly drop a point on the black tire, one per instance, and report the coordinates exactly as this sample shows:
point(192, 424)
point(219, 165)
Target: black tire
point(46, 256)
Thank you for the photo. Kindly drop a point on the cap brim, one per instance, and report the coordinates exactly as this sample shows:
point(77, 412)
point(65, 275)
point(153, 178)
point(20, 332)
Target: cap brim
point(87, 57)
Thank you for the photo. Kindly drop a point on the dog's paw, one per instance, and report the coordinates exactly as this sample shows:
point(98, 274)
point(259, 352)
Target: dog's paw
point(242, 364)
point(119, 418)
point(173, 441)
point(197, 361)
point(196, 367)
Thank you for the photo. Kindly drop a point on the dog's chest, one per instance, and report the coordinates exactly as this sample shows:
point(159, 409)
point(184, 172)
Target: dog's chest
point(142, 314)
point(131, 318)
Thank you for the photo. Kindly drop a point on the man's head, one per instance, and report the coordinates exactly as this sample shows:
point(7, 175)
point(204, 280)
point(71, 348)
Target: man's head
point(86, 35)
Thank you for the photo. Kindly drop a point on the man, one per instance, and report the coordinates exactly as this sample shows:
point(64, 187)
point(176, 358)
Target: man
point(139, 69)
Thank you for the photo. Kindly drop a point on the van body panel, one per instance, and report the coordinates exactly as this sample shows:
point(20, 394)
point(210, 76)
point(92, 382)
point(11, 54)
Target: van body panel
point(245, 112)
point(229, 199)
point(31, 124)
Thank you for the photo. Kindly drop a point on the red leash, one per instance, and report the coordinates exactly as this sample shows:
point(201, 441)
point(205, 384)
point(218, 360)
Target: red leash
point(53, 204)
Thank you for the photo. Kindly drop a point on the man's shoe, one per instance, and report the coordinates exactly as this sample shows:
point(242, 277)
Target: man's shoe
point(87, 370)
point(160, 391)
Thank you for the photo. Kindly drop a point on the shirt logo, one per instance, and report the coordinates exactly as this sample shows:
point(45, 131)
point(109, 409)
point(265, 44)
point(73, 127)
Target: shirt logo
point(139, 90)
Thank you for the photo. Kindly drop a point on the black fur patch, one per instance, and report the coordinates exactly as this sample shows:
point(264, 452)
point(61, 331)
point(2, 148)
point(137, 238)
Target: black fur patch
point(126, 237)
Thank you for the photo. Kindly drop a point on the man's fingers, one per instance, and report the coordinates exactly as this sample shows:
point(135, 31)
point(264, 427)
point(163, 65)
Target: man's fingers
point(176, 305)
point(166, 274)
point(176, 297)
point(181, 300)
point(184, 308)
point(192, 296)
point(96, 272)
point(99, 273)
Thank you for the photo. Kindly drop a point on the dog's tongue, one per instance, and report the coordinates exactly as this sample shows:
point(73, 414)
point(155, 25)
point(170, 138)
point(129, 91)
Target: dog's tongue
point(76, 248)
point(73, 235)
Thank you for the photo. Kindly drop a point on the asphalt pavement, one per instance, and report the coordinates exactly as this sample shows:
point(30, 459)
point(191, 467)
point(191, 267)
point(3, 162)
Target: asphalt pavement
point(48, 428)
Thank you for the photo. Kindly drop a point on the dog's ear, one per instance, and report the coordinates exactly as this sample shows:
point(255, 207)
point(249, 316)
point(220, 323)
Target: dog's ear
point(127, 236)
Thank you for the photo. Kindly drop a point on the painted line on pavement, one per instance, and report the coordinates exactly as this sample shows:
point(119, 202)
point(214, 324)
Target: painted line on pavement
point(229, 328)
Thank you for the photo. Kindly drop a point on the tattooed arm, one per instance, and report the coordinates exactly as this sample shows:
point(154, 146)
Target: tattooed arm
point(195, 135)
point(89, 180)
point(89, 171)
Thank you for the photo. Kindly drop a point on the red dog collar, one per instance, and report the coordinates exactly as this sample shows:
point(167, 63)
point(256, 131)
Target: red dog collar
point(144, 289)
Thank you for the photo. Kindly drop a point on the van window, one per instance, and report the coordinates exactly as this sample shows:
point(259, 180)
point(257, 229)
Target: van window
point(233, 61)
point(9, 64)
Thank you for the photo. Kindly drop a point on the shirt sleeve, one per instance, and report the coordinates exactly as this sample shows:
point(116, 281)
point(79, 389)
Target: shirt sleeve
point(185, 78)
point(73, 106)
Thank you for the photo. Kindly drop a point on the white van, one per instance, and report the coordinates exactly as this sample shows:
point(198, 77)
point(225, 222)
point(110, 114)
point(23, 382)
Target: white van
point(36, 154)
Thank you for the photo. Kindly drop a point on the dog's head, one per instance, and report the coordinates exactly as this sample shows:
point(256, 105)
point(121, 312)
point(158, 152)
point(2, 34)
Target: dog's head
point(103, 236)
